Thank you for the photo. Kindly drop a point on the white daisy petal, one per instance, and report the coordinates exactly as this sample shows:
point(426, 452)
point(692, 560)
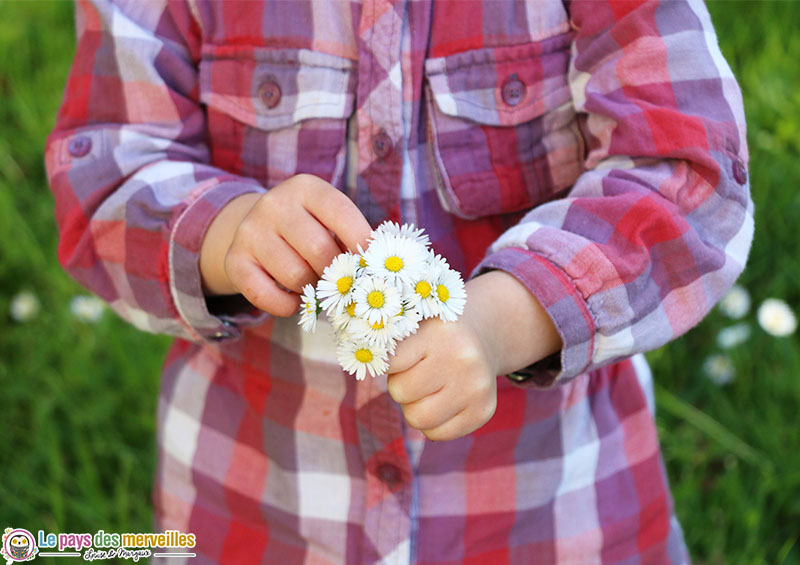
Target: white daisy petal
point(451, 294)
point(423, 296)
point(361, 357)
point(406, 230)
point(395, 258)
point(409, 318)
point(309, 309)
point(776, 318)
point(335, 288)
point(382, 333)
point(376, 300)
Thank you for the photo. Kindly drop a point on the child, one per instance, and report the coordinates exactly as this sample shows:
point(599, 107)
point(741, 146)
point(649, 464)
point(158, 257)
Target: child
point(584, 165)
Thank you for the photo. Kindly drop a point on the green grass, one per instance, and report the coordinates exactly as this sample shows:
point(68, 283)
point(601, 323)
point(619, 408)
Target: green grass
point(77, 410)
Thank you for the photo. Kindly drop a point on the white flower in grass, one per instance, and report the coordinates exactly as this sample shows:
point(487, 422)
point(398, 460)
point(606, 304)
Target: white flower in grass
point(24, 306)
point(397, 259)
point(360, 357)
point(87, 308)
point(451, 294)
point(736, 303)
point(335, 288)
point(384, 334)
point(733, 335)
point(422, 295)
point(777, 319)
point(309, 309)
point(719, 369)
point(376, 300)
point(406, 230)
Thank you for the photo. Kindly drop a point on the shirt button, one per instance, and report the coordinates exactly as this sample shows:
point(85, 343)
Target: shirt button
point(270, 93)
point(389, 474)
point(513, 91)
point(381, 144)
point(739, 171)
point(79, 145)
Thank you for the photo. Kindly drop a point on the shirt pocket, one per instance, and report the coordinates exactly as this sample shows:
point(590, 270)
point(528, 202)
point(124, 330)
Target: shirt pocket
point(502, 127)
point(275, 113)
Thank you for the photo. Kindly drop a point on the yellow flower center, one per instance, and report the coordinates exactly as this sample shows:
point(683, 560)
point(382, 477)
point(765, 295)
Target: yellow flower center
point(351, 309)
point(442, 293)
point(376, 299)
point(309, 307)
point(378, 325)
point(343, 284)
point(361, 262)
point(363, 355)
point(423, 289)
point(393, 263)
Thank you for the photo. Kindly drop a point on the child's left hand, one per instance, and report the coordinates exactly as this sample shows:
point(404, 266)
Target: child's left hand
point(445, 375)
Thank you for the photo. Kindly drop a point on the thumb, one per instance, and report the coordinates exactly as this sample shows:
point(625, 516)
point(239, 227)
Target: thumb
point(409, 352)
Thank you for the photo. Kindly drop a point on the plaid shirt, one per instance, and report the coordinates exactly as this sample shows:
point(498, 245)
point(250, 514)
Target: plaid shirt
point(595, 151)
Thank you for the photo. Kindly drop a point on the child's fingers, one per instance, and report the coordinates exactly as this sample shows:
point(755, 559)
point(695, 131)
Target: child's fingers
point(284, 264)
point(412, 385)
point(310, 240)
point(408, 353)
point(338, 213)
point(430, 412)
point(261, 291)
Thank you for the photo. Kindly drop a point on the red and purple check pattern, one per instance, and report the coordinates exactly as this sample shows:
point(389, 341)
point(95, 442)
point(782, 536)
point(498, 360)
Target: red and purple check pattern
point(596, 151)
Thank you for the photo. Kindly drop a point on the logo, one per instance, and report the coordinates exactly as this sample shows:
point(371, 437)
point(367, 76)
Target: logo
point(18, 545)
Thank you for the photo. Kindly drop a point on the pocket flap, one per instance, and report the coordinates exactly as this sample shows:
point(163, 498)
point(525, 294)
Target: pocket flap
point(502, 86)
point(275, 88)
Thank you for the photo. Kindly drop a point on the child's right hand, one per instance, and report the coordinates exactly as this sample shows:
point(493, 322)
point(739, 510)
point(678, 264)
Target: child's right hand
point(284, 237)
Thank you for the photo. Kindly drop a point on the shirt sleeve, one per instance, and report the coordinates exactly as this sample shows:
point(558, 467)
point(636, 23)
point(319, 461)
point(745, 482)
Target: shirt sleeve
point(128, 165)
point(659, 224)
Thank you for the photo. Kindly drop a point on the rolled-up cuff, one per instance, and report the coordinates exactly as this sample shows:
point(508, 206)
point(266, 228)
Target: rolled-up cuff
point(230, 316)
point(565, 306)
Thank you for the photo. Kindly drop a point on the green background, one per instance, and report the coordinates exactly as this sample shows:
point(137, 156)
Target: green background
point(78, 400)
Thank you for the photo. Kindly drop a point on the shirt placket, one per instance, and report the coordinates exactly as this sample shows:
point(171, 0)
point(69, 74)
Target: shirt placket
point(380, 130)
point(380, 110)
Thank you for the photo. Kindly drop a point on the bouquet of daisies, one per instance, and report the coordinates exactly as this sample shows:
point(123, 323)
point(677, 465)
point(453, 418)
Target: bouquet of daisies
point(378, 296)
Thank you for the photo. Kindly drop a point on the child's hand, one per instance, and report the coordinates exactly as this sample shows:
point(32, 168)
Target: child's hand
point(445, 376)
point(284, 237)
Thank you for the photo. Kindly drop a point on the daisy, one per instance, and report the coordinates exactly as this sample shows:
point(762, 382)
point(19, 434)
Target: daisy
point(335, 288)
point(383, 333)
point(376, 300)
point(309, 309)
point(777, 319)
point(406, 230)
point(87, 308)
point(423, 296)
point(24, 306)
point(732, 336)
point(719, 369)
point(360, 357)
point(396, 259)
point(451, 295)
point(408, 320)
point(736, 303)
point(341, 321)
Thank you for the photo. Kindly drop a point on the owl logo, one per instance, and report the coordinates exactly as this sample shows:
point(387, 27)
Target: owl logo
point(18, 545)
